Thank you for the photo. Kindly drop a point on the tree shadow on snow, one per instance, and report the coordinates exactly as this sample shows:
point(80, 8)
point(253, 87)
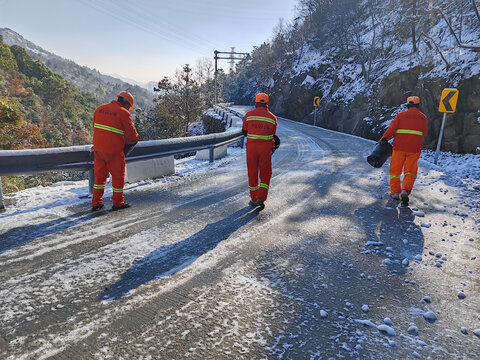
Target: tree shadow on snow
point(170, 259)
point(391, 233)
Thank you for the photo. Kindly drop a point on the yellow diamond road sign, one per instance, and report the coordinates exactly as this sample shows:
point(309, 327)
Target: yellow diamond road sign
point(316, 101)
point(448, 101)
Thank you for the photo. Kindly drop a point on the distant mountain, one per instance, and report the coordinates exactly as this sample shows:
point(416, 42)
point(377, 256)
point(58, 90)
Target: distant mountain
point(103, 87)
point(38, 107)
point(148, 86)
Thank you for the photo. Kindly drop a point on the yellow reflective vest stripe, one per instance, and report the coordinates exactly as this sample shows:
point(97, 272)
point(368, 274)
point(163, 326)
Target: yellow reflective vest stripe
point(261, 118)
point(109, 128)
point(259, 137)
point(413, 132)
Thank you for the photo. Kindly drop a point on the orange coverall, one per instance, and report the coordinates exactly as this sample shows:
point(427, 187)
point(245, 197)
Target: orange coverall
point(409, 128)
point(112, 129)
point(260, 125)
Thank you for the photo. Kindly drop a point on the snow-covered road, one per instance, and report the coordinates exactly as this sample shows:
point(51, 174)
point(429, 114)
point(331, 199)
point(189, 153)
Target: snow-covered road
point(331, 268)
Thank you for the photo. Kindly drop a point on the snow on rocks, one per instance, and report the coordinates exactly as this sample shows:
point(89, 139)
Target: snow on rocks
point(430, 316)
point(386, 329)
point(461, 295)
point(427, 299)
point(368, 323)
point(388, 321)
point(323, 313)
point(464, 330)
point(412, 329)
point(373, 243)
point(477, 332)
point(365, 308)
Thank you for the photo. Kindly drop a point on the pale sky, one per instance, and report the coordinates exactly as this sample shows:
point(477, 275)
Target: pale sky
point(144, 40)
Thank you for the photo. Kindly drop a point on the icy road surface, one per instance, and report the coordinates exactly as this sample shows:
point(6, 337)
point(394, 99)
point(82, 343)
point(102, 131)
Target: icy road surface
point(331, 268)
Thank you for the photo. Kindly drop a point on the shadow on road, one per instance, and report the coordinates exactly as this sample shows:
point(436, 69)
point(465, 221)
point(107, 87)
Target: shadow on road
point(173, 258)
point(22, 235)
point(391, 233)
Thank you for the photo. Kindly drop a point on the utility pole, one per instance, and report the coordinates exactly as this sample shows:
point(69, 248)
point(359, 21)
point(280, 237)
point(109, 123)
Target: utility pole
point(232, 59)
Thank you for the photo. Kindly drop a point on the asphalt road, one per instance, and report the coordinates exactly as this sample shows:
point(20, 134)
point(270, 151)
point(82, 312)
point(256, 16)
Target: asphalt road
point(192, 271)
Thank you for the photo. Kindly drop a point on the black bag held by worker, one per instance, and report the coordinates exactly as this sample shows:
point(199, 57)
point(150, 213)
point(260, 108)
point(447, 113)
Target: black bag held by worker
point(277, 143)
point(128, 148)
point(380, 154)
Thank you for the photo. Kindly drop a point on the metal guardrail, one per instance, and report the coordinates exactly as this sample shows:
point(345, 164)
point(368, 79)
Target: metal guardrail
point(81, 158)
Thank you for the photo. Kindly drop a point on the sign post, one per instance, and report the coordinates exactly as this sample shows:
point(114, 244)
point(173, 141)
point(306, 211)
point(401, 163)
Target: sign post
point(448, 104)
point(316, 103)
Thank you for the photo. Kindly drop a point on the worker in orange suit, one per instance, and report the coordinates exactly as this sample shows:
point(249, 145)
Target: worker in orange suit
point(259, 126)
point(409, 128)
point(112, 130)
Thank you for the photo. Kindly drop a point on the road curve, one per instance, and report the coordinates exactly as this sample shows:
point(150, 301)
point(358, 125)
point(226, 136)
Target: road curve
point(191, 271)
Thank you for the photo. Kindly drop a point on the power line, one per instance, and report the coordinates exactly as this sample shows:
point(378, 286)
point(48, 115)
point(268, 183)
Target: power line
point(140, 22)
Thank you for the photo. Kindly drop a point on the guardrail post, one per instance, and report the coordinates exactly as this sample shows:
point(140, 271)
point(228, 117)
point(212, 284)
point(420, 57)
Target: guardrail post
point(91, 180)
point(211, 152)
point(2, 207)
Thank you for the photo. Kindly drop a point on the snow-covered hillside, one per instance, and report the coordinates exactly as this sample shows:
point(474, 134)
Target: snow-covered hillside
point(361, 60)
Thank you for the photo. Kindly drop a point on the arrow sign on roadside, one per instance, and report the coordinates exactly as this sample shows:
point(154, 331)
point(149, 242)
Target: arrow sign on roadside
point(316, 101)
point(448, 101)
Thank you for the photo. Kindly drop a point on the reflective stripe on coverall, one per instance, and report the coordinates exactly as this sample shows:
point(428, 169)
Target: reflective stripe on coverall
point(105, 164)
point(260, 125)
point(409, 128)
point(112, 129)
point(406, 161)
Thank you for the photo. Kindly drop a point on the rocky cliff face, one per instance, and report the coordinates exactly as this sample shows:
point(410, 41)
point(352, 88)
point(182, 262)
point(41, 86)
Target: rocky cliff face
point(368, 116)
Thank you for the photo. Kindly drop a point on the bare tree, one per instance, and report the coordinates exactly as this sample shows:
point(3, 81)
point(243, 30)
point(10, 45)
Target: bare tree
point(413, 25)
point(476, 9)
point(459, 43)
point(436, 47)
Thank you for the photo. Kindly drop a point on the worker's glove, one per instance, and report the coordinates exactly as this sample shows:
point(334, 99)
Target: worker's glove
point(383, 141)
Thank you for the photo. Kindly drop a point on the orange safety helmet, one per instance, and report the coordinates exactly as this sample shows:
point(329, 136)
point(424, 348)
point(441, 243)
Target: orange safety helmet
point(413, 100)
point(128, 97)
point(261, 98)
